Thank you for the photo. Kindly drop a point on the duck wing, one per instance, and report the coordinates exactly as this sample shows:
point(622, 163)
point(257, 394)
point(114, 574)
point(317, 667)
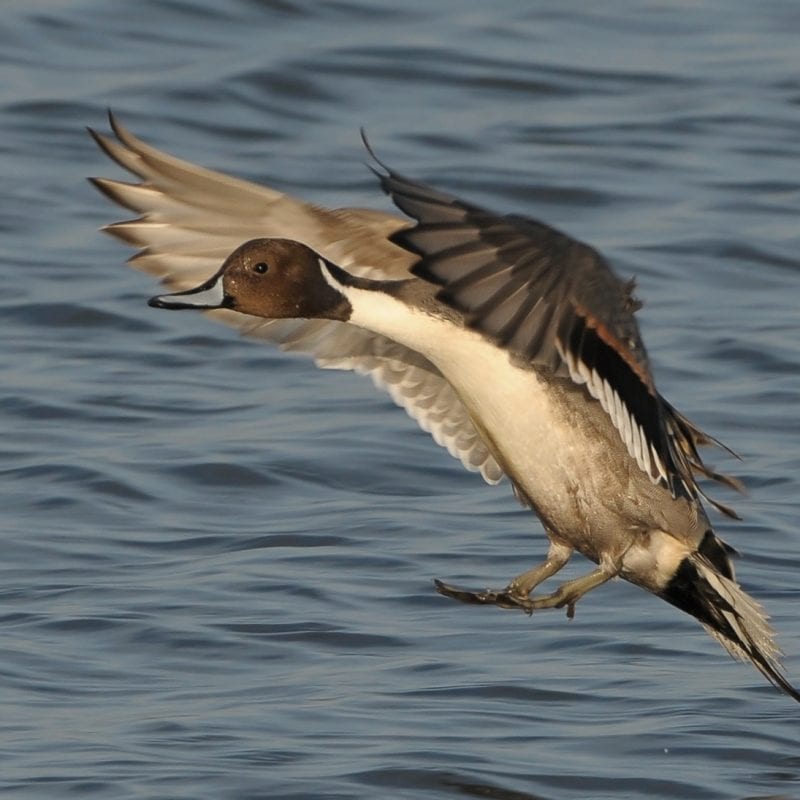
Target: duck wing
point(554, 303)
point(191, 218)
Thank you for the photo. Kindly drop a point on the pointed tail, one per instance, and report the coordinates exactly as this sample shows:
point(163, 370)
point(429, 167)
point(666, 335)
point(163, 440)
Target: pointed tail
point(730, 615)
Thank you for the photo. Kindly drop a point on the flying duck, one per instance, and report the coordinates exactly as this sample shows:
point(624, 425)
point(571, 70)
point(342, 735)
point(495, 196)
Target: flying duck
point(513, 344)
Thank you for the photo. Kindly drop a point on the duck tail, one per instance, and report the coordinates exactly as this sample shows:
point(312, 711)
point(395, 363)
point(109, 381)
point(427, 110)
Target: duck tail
point(730, 615)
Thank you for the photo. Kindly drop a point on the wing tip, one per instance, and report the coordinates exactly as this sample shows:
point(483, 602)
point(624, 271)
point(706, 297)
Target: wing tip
point(382, 171)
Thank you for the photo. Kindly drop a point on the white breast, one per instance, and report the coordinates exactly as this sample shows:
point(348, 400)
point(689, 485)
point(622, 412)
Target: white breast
point(525, 422)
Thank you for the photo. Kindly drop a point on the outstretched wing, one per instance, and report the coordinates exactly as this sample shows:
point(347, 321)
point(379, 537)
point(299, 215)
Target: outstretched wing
point(190, 219)
point(555, 303)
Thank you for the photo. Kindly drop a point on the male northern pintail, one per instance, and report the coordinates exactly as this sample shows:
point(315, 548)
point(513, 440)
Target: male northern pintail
point(514, 345)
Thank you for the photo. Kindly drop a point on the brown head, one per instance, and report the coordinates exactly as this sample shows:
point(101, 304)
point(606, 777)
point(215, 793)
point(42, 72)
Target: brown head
point(274, 278)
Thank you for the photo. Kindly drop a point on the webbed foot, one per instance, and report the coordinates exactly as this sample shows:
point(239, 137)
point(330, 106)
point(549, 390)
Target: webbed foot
point(502, 598)
point(567, 594)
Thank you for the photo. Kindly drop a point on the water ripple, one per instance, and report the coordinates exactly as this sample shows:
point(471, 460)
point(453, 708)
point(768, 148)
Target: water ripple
point(217, 562)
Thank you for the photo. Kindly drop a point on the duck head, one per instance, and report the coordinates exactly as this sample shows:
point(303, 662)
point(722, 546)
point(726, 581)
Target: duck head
point(274, 278)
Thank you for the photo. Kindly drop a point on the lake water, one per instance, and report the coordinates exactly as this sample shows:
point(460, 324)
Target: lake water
point(217, 560)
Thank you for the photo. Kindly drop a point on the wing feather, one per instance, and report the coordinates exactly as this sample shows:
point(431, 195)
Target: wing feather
point(192, 218)
point(555, 303)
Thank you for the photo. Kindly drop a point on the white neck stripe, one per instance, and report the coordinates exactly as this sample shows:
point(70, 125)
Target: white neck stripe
point(328, 275)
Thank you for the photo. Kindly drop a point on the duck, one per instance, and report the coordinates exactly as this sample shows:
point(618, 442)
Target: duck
point(513, 344)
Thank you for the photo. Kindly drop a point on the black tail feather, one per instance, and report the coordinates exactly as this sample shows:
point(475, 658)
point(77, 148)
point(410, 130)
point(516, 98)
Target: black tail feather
point(729, 614)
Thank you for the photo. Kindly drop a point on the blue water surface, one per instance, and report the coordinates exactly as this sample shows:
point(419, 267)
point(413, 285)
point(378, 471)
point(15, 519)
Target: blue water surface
point(216, 560)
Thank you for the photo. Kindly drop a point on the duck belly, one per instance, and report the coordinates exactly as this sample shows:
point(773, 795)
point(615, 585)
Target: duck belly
point(560, 450)
point(551, 438)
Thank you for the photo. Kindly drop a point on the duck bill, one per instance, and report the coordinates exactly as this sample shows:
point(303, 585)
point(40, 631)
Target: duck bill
point(210, 294)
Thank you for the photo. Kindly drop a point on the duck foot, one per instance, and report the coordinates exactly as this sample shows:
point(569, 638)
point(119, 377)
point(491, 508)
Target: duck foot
point(565, 596)
point(502, 598)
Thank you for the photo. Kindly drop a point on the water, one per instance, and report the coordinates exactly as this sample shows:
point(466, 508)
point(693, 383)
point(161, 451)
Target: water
point(217, 560)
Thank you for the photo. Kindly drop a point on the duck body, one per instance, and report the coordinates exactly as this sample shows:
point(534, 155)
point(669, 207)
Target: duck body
point(515, 345)
point(555, 443)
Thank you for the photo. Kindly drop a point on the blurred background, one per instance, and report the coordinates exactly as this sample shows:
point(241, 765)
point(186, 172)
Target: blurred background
point(216, 560)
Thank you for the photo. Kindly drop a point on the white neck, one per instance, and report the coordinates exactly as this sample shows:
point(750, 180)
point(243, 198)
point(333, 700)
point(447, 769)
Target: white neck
point(377, 311)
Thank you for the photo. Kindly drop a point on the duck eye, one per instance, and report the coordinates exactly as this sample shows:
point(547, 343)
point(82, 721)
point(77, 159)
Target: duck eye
point(261, 267)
